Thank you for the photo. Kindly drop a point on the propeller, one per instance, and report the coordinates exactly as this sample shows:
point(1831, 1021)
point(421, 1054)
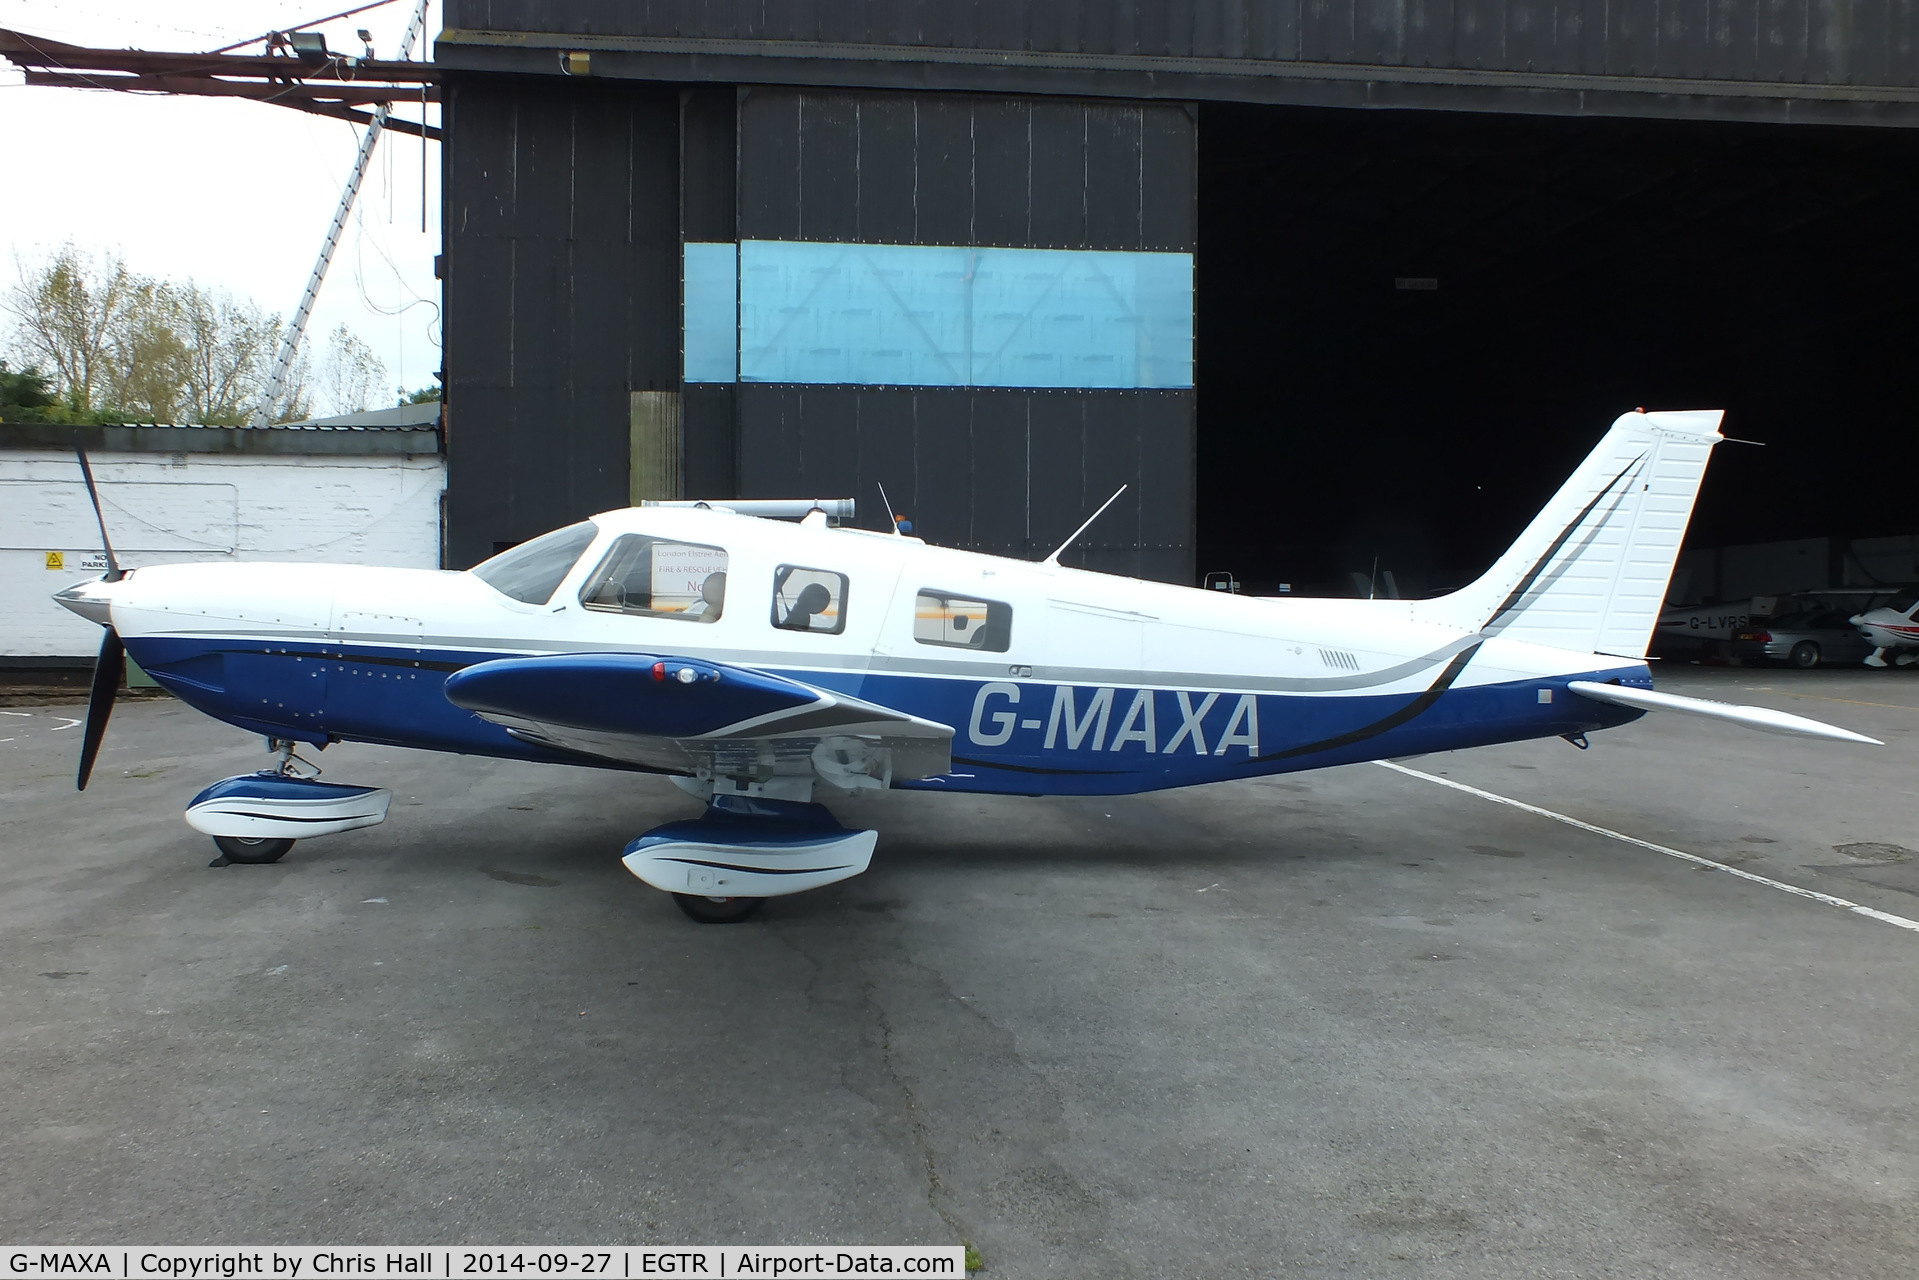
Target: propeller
point(110, 667)
point(114, 571)
point(108, 670)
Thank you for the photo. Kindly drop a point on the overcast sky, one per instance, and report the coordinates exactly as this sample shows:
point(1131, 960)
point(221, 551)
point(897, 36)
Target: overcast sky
point(233, 194)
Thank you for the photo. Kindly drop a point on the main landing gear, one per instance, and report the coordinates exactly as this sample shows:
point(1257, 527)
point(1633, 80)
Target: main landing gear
point(723, 865)
point(256, 817)
point(251, 848)
point(718, 910)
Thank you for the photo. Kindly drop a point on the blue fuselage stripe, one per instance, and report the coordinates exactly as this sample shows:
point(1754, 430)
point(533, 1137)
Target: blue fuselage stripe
point(1018, 736)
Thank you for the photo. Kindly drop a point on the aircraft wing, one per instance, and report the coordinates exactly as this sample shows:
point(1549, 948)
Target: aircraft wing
point(684, 715)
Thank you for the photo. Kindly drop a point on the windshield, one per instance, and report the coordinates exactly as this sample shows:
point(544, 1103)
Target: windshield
point(533, 570)
point(1904, 601)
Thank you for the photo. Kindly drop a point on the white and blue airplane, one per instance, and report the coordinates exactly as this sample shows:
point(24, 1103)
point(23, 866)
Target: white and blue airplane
point(765, 664)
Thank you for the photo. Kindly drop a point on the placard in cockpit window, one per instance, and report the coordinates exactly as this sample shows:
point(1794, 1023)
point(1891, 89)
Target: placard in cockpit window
point(657, 577)
point(959, 622)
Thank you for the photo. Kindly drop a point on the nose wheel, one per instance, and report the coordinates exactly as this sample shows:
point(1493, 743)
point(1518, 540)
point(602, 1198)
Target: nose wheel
point(256, 817)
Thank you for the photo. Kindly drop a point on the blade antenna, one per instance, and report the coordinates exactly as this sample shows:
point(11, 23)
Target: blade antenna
point(1054, 558)
point(114, 572)
point(891, 516)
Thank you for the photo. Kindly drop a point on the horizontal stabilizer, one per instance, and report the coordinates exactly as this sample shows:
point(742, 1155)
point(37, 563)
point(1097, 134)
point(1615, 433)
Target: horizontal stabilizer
point(1764, 718)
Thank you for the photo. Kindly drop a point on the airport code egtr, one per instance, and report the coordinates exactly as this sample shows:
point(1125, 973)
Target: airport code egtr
point(396, 1262)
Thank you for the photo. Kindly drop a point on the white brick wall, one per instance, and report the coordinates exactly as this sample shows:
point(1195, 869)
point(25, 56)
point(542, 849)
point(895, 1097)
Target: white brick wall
point(165, 508)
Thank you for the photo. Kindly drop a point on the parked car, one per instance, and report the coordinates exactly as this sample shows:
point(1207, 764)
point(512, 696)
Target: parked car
point(1805, 639)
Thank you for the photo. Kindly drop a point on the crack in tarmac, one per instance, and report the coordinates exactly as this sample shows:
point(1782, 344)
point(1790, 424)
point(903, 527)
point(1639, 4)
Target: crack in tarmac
point(936, 1191)
point(922, 1137)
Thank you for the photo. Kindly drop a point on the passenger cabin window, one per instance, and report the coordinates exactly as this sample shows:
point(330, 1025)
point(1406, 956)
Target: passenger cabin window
point(809, 600)
point(533, 571)
point(658, 578)
point(960, 622)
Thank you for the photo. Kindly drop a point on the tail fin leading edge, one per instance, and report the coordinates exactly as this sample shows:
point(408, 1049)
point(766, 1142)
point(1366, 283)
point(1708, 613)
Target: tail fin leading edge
point(1590, 572)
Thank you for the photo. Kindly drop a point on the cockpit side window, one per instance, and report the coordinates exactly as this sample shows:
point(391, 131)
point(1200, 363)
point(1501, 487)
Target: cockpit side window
point(960, 622)
point(812, 600)
point(658, 578)
point(533, 571)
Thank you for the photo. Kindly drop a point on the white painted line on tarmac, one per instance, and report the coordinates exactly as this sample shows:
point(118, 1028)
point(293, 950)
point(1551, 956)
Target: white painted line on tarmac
point(1885, 917)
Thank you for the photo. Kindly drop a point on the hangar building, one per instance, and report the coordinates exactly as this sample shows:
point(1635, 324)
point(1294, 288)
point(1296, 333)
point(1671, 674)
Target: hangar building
point(1327, 283)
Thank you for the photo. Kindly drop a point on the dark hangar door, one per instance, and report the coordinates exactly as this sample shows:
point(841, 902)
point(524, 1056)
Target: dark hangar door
point(984, 304)
point(561, 240)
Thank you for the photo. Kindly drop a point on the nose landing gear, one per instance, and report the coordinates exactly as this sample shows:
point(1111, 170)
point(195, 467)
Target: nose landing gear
point(256, 817)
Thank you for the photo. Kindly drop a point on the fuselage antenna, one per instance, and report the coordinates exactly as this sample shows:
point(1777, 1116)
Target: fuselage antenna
point(892, 518)
point(1054, 558)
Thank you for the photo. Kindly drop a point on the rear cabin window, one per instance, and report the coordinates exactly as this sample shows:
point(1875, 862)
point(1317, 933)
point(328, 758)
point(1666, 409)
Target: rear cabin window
point(658, 578)
point(533, 571)
point(809, 600)
point(961, 622)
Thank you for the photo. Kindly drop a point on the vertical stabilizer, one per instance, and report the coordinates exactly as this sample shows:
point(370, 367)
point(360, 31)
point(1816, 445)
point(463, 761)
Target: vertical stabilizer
point(1590, 572)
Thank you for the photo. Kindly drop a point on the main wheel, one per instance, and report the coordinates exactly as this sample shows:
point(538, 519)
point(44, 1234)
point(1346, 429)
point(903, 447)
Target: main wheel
point(252, 848)
point(1805, 655)
point(718, 910)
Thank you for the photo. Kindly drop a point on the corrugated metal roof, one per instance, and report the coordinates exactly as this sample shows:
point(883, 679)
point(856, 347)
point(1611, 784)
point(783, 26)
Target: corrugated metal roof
point(405, 417)
point(320, 435)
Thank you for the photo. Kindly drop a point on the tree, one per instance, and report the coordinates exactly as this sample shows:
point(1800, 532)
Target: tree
point(145, 376)
point(230, 346)
point(421, 395)
point(25, 394)
point(68, 314)
point(296, 392)
point(351, 375)
point(118, 346)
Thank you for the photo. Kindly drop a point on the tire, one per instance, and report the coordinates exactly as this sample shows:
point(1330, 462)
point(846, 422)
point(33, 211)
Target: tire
point(718, 910)
point(1805, 655)
point(250, 849)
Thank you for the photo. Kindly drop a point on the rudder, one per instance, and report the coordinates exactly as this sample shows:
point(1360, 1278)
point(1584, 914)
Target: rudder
point(1590, 572)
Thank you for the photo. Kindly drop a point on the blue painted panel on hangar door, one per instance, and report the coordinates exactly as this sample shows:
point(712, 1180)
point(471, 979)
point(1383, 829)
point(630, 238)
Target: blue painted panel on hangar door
point(936, 316)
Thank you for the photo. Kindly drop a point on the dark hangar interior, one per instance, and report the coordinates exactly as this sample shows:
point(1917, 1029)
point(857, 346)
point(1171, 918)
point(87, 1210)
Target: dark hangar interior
point(1431, 257)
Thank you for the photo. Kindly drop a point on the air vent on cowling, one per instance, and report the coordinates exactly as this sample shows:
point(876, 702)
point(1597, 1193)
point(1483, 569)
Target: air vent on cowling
point(1339, 659)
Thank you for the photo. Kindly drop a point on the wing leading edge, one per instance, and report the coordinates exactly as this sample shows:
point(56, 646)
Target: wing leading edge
point(693, 716)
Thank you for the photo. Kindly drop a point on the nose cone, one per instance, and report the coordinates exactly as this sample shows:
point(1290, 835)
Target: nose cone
point(91, 600)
